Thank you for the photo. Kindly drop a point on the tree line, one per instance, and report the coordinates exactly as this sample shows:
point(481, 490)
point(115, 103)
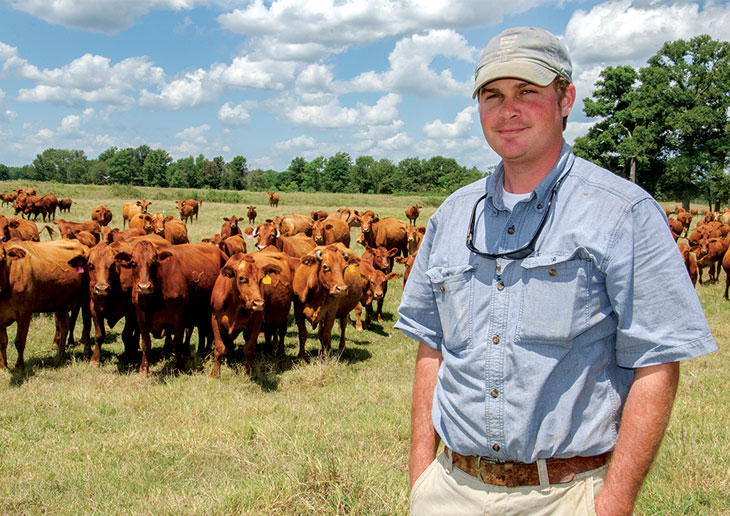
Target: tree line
point(143, 166)
point(665, 126)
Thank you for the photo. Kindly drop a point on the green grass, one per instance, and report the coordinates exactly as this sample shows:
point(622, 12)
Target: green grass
point(321, 437)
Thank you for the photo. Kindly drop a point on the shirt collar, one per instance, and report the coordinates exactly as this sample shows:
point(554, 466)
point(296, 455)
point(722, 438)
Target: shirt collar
point(542, 191)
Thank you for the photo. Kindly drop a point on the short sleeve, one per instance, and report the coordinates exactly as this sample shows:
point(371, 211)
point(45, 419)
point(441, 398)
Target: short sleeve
point(660, 318)
point(419, 318)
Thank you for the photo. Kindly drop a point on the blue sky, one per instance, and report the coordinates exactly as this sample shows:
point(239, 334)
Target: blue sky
point(273, 80)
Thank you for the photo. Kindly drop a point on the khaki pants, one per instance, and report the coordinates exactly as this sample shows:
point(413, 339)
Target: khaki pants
point(443, 490)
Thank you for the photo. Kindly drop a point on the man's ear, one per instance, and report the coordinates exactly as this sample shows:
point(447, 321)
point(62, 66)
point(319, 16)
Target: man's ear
point(566, 104)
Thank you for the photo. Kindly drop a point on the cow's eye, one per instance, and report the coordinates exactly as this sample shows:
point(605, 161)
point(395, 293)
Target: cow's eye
point(325, 268)
point(243, 280)
point(91, 266)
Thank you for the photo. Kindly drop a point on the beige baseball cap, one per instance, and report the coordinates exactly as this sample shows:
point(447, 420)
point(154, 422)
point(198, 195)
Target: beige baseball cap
point(529, 53)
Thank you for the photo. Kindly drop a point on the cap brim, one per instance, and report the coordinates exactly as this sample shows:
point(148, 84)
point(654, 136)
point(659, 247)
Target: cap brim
point(525, 70)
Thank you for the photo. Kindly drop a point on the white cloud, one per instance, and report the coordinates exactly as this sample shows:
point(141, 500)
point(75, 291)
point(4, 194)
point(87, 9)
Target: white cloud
point(459, 128)
point(332, 115)
point(336, 23)
point(107, 16)
point(10, 115)
point(73, 96)
point(575, 129)
point(628, 32)
point(237, 115)
point(195, 134)
point(379, 132)
point(245, 72)
point(192, 90)
point(300, 142)
point(411, 69)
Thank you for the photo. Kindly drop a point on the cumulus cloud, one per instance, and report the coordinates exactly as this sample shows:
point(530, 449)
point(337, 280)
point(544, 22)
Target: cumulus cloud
point(627, 32)
point(459, 128)
point(236, 115)
point(411, 68)
point(108, 16)
point(194, 134)
point(300, 142)
point(336, 23)
point(332, 115)
point(191, 90)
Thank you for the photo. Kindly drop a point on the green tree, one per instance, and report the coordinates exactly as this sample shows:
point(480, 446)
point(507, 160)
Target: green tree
point(312, 181)
point(120, 166)
point(410, 170)
point(4, 172)
point(61, 165)
point(261, 180)
point(336, 173)
point(154, 169)
point(296, 173)
point(237, 177)
point(364, 174)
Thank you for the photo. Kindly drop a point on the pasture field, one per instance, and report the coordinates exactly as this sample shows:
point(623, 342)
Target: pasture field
point(317, 438)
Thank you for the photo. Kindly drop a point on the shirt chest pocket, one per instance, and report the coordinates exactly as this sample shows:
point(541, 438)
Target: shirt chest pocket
point(555, 304)
point(453, 290)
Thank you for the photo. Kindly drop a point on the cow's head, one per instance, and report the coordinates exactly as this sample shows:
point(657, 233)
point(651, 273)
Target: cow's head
point(331, 265)
point(144, 204)
point(247, 277)
point(266, 235)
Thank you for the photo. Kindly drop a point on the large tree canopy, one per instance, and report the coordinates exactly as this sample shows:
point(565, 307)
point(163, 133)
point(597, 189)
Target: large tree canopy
point(666, 126)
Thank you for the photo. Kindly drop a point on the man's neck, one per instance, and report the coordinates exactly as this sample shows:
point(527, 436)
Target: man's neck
point(521, 177)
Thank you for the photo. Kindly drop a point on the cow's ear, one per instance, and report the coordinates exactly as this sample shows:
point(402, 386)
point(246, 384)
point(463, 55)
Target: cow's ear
point(124, 259)
point(390, 276)
point(15, 223)
point(328, 226)
point(78, 262)
point(226, 219)
point(228, 271)
point(15, 253)
point(164, 255)
point(309, 260)
point(393, 252)
point(422, 230)
point(169, 218)
point(401, 259)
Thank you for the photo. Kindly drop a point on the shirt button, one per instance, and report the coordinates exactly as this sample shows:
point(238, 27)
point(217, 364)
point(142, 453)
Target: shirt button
point(539, 206)
point(442, 288)
point(495, 339)
point(500, 287)
point(552, 272)
point(511, 230)
point(494, 393)
point(495, 447)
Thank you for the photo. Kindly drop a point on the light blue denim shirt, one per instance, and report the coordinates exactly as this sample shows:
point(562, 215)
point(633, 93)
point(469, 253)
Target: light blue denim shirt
point(538, 353)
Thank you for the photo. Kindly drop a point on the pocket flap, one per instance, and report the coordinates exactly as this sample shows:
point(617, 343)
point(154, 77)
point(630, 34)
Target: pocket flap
point(441, 274)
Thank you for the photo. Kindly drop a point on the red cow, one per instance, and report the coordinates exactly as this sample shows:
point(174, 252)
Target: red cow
point(380, 258)
point(67, 228)
point(325, 288)
point(676, 227)
point(65, 205)
point(252, 215)
point(171, 292)
point(40, 277)
point(329, 231)
point(295, 246)
point(171, 229)
point(690, 261)
point(8, 198)
point(232, 245)
point(412, 213)
point(110, 287)
point(230, 226)
point(20, 229)
point(374, 288)
point(352, 217)
point(131, 208)
point(686, 219)
point(295, 224)
point(143, 221)
point(319, 215)
point(188, 208)
point(102, 215)
point(709, 254)
point(386, 232)
point(44, 206)
point(414, 235)
point(273, 199)
point(252, 292)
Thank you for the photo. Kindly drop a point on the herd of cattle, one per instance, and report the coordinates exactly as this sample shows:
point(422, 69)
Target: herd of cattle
point(706, 246)
point(162, 286)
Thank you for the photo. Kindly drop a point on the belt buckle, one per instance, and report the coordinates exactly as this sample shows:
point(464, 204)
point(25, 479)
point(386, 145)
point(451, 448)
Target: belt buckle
point(478, 459)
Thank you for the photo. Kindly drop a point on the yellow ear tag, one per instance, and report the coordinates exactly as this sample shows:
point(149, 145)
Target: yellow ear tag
point(352, 267)
point(266, 280)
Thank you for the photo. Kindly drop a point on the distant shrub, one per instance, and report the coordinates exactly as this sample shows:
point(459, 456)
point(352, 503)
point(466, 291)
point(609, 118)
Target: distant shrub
point(125, 191)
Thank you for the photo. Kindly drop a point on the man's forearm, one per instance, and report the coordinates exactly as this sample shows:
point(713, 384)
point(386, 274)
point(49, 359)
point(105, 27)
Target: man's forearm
point(644, 420)
point(424, 439)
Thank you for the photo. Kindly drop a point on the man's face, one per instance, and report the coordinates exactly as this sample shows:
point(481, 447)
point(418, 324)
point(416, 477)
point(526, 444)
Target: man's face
point(523, 122)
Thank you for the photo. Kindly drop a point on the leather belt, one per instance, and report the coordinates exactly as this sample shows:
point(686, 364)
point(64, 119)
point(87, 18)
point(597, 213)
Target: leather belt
point(514, 474)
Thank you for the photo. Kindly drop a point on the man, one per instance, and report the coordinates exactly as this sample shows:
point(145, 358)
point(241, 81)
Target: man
point(552, 308)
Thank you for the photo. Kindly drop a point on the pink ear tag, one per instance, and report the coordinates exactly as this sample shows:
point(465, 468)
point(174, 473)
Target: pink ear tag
point(250, 237)
point(79, 269)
